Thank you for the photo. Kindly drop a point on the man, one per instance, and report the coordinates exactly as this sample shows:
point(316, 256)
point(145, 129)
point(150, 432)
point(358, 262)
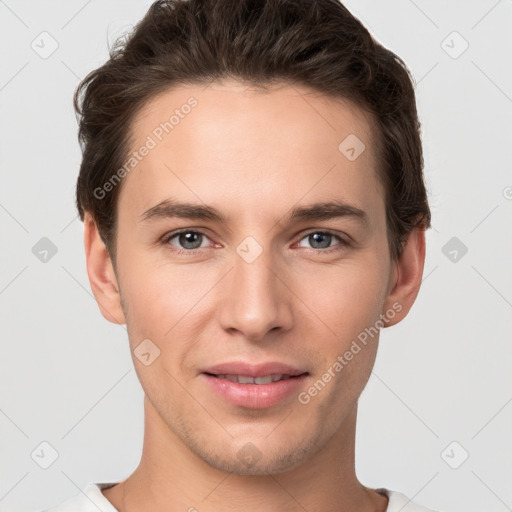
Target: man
point(255, 212)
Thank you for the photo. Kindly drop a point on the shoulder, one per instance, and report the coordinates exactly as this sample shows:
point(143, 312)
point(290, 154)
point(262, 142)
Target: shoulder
point(398, 502)
point(89, 499)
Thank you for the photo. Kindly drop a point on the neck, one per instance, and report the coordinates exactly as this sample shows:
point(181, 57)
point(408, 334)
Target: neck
point(170, 477)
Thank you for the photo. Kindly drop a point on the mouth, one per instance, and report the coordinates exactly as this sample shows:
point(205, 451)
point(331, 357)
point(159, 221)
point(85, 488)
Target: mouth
point(254, 387)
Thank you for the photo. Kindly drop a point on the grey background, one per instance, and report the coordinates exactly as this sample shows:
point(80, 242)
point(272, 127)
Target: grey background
point(442, 375)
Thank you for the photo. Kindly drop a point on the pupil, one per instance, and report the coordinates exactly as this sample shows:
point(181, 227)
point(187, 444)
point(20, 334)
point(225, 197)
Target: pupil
point(188, 240)
point(323, 239)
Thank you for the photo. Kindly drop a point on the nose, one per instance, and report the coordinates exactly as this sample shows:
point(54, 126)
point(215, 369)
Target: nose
point(256, 298)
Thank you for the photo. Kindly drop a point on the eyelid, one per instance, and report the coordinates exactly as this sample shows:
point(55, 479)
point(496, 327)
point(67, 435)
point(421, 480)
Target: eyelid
point(344, 239)
point(167, 237)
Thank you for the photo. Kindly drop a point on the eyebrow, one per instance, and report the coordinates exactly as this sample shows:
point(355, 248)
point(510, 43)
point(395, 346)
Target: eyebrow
point(169, 208)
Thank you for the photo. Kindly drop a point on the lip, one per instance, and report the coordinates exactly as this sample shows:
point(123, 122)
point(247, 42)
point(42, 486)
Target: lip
point(253, 370)
point(254, 396)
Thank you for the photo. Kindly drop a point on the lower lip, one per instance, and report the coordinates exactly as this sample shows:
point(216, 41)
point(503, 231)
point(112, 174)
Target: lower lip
point(254, 396)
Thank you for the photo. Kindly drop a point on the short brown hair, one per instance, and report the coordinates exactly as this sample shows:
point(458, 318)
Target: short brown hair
point(314, 43)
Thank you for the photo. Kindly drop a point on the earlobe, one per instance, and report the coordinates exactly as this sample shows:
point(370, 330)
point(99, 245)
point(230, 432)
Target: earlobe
point(407, 277)
point(101, 273)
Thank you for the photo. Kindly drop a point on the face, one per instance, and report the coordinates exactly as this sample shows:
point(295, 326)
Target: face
point(279, 256)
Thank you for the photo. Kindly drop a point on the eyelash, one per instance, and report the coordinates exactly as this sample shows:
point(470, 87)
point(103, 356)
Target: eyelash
point(191, 252)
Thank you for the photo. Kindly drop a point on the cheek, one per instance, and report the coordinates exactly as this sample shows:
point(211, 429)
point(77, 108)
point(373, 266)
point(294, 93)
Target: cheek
point(159, 310)
point(349, 309)
point(145, 294)
point(346, 298)
point(167, 304)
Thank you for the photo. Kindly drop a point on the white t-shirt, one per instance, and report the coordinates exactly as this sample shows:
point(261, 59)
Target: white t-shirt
point(91, 500)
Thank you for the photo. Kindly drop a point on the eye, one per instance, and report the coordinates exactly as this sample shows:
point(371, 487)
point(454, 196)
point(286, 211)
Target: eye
point(187, 240)
point(321, 240)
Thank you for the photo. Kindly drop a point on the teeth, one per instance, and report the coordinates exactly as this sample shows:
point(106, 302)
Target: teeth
point(243, 379)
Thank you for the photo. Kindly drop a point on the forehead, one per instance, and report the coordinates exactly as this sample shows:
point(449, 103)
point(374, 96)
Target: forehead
point(234, 147)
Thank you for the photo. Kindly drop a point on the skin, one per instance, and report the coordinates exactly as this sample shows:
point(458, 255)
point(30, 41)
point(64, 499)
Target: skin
point(254, 156)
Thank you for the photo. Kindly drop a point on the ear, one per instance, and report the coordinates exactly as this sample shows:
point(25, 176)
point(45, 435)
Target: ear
point(405, 279)
point(101, 273)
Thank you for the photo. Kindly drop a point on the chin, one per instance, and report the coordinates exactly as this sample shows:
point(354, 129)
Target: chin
point(266, 465)
point(248, 455)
